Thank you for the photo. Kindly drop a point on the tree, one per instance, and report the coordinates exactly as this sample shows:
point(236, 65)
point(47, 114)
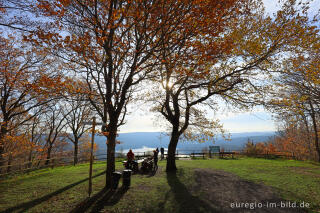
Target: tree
point(297, 95)
point(297, 86)
point(78, 112)
point(184, 72)
point(228, 59)
point(85, 147)
point(185, 76)
point(26, 79)
point(294, 137)
point(55, 121)
point(15, 144)
point(33, 131)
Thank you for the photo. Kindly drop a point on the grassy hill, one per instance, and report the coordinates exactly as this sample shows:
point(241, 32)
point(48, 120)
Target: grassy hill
point(199, 186)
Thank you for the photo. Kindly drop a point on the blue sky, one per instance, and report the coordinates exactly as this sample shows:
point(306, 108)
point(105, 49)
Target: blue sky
point(257, 120)
point(240, 122)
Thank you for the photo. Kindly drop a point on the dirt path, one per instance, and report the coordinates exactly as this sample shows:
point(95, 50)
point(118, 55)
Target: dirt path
point(222, 191)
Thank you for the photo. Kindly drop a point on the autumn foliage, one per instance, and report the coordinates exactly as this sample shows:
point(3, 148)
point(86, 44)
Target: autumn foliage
point(293, 140)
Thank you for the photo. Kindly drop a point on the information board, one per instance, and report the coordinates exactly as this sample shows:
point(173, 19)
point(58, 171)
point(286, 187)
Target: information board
point(214, 149)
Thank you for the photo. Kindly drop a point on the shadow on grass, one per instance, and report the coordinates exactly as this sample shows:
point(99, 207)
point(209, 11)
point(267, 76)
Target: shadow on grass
point(186, 202)
point(106, 197)
point(228, 158)
point(27, 205)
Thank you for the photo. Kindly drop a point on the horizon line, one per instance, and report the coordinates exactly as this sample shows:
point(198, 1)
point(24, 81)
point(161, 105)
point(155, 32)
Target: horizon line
point(218, 134)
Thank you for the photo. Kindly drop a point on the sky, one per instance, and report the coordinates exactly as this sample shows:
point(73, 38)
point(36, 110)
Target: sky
point(254, 121)
point(257, 120)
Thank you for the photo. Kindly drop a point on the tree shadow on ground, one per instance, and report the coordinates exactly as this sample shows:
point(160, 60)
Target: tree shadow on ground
point(23, 207)
point(228, 158)
point(230, 193)
point(186, 202)
point(106, 197)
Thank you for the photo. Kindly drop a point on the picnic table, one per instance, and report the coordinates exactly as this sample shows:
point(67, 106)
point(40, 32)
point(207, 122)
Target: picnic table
point(136, 161)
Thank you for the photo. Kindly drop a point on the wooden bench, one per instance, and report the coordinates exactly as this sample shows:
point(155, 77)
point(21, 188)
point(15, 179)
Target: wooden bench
point(222, 154)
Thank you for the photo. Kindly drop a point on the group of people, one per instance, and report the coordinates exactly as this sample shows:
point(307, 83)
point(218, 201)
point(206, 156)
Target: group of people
point(130, 157)
point(155, 155)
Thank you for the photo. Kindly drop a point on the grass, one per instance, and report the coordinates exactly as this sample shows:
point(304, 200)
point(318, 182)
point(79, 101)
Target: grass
point(62, 189)
point(46, 188)
point(293, 180)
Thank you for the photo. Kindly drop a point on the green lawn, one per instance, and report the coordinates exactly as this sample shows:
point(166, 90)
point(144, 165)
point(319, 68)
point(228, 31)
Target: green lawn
point(63, 189)
point(293, 180)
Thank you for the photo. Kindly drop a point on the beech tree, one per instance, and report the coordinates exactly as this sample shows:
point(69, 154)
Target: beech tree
point(295, 135)
point(34, 131)
point(298, 90)
point(184, 72)
point(231, 63)
point(26, 79)
point(55, 122)
point(188, 76)
point(15, 143)
point(78, 111)
point(295, 93)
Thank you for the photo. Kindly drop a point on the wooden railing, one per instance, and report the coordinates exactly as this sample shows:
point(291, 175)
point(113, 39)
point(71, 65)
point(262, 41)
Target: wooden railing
point(28, 166)
point(199, 154)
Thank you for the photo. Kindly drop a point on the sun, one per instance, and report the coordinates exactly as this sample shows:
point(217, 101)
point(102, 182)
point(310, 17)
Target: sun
point(168, 84)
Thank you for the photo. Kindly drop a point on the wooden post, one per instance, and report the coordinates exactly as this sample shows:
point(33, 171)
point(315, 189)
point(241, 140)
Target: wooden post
point(91, 155)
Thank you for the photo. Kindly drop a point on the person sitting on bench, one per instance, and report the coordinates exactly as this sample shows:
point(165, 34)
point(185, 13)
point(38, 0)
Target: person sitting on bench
point(130, 157)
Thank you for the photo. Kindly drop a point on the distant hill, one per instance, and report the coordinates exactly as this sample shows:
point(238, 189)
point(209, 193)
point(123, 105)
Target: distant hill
point(150, 140)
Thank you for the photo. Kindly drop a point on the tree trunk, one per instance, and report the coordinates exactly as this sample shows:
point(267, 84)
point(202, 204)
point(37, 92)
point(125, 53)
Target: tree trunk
point(308, 135)
point(315, 128)
point(2, 160)
point(110, 157)
point(30, 159)
point(316, 138)
point(48, 156)
point(9, 163)
point(3, 131)
point(75, 154)
point(171, 161)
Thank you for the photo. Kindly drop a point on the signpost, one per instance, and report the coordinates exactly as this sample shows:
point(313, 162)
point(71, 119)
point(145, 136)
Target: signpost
point(93, 123)
point(214, 149)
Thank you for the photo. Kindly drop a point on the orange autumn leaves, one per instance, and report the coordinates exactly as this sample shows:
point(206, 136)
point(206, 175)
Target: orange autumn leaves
point(27, 82)
point(211, 18)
